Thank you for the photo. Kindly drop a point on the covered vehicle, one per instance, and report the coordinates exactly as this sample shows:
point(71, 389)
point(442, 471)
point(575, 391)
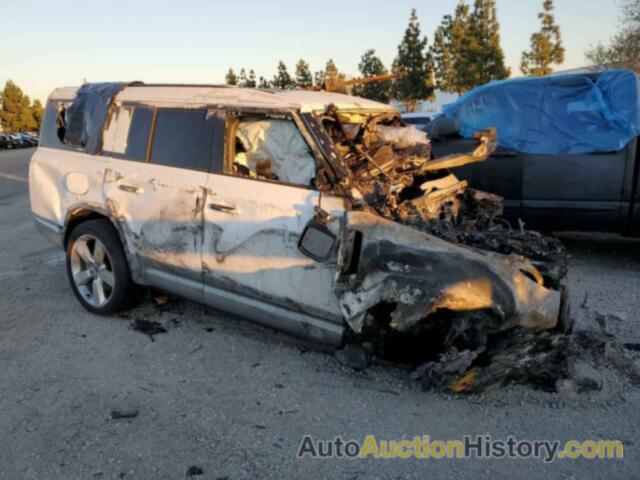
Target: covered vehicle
point(317, 213)
point(568, 157)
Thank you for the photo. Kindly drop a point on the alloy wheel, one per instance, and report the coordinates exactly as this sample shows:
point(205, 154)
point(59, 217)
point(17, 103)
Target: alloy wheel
point(92, 270)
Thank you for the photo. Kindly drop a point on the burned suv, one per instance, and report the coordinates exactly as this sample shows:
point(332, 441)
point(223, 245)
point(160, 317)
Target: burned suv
point(320, 214)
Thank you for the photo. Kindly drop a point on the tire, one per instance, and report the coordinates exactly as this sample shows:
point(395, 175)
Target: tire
point(98, 271)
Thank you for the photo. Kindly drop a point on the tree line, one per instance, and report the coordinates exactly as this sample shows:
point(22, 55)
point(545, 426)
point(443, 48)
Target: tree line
point(17, 112)
point(623, 50)
point(464, 54)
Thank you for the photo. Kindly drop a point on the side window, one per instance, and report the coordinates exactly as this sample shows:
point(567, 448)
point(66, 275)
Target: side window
point(54, 125)
point(114, 138)
point(269, 148)
point(176, 139)
point(127, 132)
point(138, 137)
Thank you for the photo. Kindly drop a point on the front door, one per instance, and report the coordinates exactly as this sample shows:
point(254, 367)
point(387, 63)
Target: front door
point(255, 212)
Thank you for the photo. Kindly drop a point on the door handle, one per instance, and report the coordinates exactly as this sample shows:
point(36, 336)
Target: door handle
point(218, 207)
point(130, 189)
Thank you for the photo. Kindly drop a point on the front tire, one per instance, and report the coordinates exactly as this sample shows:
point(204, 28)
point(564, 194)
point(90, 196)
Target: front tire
point(97, 269)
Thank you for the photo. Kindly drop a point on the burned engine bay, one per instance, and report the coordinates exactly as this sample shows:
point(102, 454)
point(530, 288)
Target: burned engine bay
point(393, 168)
point(461, 331)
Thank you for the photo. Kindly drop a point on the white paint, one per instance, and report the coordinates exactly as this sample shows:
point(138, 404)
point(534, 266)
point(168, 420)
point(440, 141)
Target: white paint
point(117, 132)
point(77, 183)
point(257, 249)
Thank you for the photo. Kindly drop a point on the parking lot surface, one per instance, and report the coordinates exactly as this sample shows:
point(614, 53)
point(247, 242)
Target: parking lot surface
point(222, 396)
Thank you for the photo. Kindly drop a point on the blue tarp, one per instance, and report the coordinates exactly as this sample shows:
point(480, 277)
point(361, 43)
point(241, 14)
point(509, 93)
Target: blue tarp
point(562, 114)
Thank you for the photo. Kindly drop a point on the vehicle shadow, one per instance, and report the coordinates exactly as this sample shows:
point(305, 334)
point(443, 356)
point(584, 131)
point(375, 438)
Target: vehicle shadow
point(603, 246)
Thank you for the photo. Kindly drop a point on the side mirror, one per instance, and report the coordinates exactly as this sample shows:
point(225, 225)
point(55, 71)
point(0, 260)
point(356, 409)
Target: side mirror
point(317, 242)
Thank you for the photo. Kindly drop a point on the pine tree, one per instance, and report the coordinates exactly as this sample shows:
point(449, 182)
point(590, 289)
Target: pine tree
point(282, 79)
point(546, 45)
point(370, 65)
point(242, 78)
point(483, 58)
point(414, 63)
point(303, 74)
point(231, 77)
point(263, 83)
point(251, 81)
point(16, 114)
point(37, 112)
point(332, 78)
point(448, 51)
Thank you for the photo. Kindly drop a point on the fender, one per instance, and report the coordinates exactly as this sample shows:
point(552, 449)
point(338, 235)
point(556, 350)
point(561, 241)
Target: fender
point(81, 210)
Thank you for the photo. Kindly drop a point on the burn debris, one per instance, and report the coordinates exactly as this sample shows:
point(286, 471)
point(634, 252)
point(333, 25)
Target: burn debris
point(194, 470)
point(392, 167)
point(354, 355)
point(148, 327)
point(551, 361)
point(124, 414)
point(458, 317)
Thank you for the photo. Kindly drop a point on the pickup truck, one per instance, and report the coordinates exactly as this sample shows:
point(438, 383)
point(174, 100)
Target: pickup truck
point(583, 192)
point(558, 191)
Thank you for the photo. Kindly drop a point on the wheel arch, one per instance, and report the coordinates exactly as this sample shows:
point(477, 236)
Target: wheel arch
point(81, 213)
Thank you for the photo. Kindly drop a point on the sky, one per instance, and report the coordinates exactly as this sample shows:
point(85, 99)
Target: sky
point(49, 44)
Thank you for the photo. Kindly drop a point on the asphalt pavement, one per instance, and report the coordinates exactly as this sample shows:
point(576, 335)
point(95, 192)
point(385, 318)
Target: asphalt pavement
point(85, 397)
point(14, 171)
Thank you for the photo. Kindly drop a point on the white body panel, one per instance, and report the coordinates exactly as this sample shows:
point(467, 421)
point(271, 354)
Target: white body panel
point(251, 246)
point(54, 176)
point(159, 211)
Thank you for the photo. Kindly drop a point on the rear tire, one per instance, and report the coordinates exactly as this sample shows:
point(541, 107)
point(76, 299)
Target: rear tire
point(98, 270)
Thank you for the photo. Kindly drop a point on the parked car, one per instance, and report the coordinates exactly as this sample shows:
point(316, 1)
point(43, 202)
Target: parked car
point(19, 140)
point(419, 119)
point(28, 140)
point(4, 141)
point(567, 160)
point(264, 204)
point(33, 135)
point(11, 142)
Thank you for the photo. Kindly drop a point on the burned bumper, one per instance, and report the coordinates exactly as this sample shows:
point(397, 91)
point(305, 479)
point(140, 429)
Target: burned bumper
point(420, 276)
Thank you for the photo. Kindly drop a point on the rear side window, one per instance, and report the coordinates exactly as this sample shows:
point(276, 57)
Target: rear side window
point(53, 126)
point(139, 134)
point(176, 139)
point(127, 133)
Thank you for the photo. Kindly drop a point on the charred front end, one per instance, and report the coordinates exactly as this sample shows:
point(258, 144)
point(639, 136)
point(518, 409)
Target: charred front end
point(424, 258)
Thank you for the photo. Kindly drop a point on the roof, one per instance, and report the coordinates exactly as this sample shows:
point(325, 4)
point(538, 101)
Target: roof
point(177, 95)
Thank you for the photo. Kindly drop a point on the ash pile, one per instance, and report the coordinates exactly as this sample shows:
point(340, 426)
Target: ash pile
point(571, 364)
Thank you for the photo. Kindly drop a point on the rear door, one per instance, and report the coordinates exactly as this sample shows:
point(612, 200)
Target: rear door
point(155, 188)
